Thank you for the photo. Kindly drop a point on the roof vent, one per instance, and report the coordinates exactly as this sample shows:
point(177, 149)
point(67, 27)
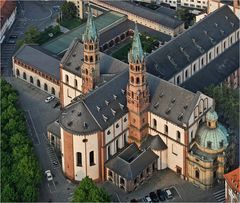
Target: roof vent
point(172, 61)
point(123, 91)
point(106, 102)
point(232, 24)
point(156, 105)
point(105, 118)
point(69, 63)
point(180, 117)
point(79, 114)
point(205, 32)
point(85, 125)
point(173, 100)
point(70, 123)
point(161, 94)
point(185, 106)
point(73, 111)
point(121, 106)
point(222, 32)
point(168, 110)
point(113, 112)
point(115, 97)
point(98, 108)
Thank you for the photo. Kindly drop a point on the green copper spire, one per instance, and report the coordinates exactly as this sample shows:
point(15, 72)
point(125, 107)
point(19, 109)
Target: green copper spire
point(90, 33)
point(136, 52)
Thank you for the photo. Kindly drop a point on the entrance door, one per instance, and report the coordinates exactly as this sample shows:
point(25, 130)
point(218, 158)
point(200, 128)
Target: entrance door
point(179, 170)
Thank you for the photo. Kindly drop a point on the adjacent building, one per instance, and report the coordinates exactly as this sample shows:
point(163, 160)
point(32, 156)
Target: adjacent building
point(232, 186)
point(8, 15)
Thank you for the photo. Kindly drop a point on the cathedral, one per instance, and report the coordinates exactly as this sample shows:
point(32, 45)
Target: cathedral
point(122, 124)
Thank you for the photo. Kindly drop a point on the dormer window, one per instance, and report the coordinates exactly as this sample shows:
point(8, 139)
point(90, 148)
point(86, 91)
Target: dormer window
point(209, 145)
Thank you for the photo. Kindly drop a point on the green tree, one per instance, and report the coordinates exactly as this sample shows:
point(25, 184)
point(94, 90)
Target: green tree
point(69, 10)
point(184, 15)
point(87, 191)
point(227, 103)
point(32, 35)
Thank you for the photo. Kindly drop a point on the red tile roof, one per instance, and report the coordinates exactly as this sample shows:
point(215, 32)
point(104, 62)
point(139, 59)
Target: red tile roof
point(7, 7)
point(233, 179)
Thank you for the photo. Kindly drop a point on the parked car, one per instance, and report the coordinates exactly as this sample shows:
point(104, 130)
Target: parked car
point(133, 200)
point(161, 195)
point(169, 194)
point(48, 99)
point(49, 175)
point(147, 199)
point(153, 197)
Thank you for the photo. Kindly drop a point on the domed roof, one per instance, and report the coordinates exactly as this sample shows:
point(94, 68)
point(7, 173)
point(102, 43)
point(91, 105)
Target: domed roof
point(211, 115)
point(212, 138)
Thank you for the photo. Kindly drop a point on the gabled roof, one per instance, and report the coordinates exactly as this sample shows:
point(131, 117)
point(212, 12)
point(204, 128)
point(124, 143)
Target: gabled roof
point(73, 60)
point(140, 11)
point(154, 143)
point(221, 67)
point(107, 104)
point(40, 59)
point(181, 51)
point(131, 161)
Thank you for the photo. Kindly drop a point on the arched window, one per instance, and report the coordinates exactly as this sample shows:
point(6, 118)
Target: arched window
point(122, 181)
point(197, 174)
point(86, 58)
point(17, 72)
point(86, 71)
point(166, 129)
point(117, 145)
point(24, 76)
point(154, 123)
point(91, 58)
point(79, 159)
point(209, 145)
point(200, 107)
point(53, 91)
point(196, 112)
point(125, 138)
point(137, 80)
point(91, 158)
point(31, 79)
point(45, 87)
point(132, 79)
point(178, 80)
point(117, 126)
point(178, 136)
point(205, 104)
point(85, 46)
point(186, 74)
point(109, 151)
point(66, 79)
point(202, 61)
point(75, 83)
point(38, 83)
point(210, 56)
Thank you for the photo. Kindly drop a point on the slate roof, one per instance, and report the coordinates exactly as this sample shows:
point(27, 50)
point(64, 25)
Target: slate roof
point(127, 25)
point(39, 58)
point(7, 8)
point(221, 67)
point(106, 104)
point(191, 44)
point(154, 143)
point(131, 161)
point(143, 12)
point(73, 60)
point(54, 128)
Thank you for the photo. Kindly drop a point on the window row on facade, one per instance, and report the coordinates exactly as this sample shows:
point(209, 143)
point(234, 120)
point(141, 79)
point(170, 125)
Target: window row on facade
point(79, 159)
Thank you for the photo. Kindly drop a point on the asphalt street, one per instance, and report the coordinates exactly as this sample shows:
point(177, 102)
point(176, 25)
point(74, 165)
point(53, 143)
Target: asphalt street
point(38, 115)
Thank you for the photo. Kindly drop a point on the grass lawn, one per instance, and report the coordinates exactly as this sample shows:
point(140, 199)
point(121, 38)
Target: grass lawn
point(122, 53)
point(70, 24)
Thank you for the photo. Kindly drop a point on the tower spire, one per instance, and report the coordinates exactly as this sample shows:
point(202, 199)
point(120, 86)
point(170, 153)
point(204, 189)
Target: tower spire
point(136, 53)
point(90, 33)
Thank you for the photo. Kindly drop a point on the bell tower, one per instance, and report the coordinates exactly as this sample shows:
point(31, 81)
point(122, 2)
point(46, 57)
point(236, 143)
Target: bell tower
point(90, 69)
point(137, 92)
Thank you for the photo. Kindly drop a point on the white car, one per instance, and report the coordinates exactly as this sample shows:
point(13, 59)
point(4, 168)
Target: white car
point(48, 99)
point(147, 199)
point(168, 194)
point(49, 175)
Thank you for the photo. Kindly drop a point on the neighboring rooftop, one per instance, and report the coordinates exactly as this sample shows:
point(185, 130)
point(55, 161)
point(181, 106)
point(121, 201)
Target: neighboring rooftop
point(191, 44)
point(233, 179)
point(154, 143)
point(7, 8)
point(40, 59)
point(221, 67)
point(54, 128)
point(131, 161)
point(103, 22)
point(143, 12)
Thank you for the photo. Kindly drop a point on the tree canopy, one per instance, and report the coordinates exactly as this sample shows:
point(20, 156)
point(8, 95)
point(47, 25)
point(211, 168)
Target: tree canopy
point(184, 15)
point(227, 103)
point(69, 10)
point(87, 191)
point(20, 171)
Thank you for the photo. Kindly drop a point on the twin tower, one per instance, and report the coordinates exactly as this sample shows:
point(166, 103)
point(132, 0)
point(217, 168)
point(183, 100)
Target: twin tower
point(137, 88)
